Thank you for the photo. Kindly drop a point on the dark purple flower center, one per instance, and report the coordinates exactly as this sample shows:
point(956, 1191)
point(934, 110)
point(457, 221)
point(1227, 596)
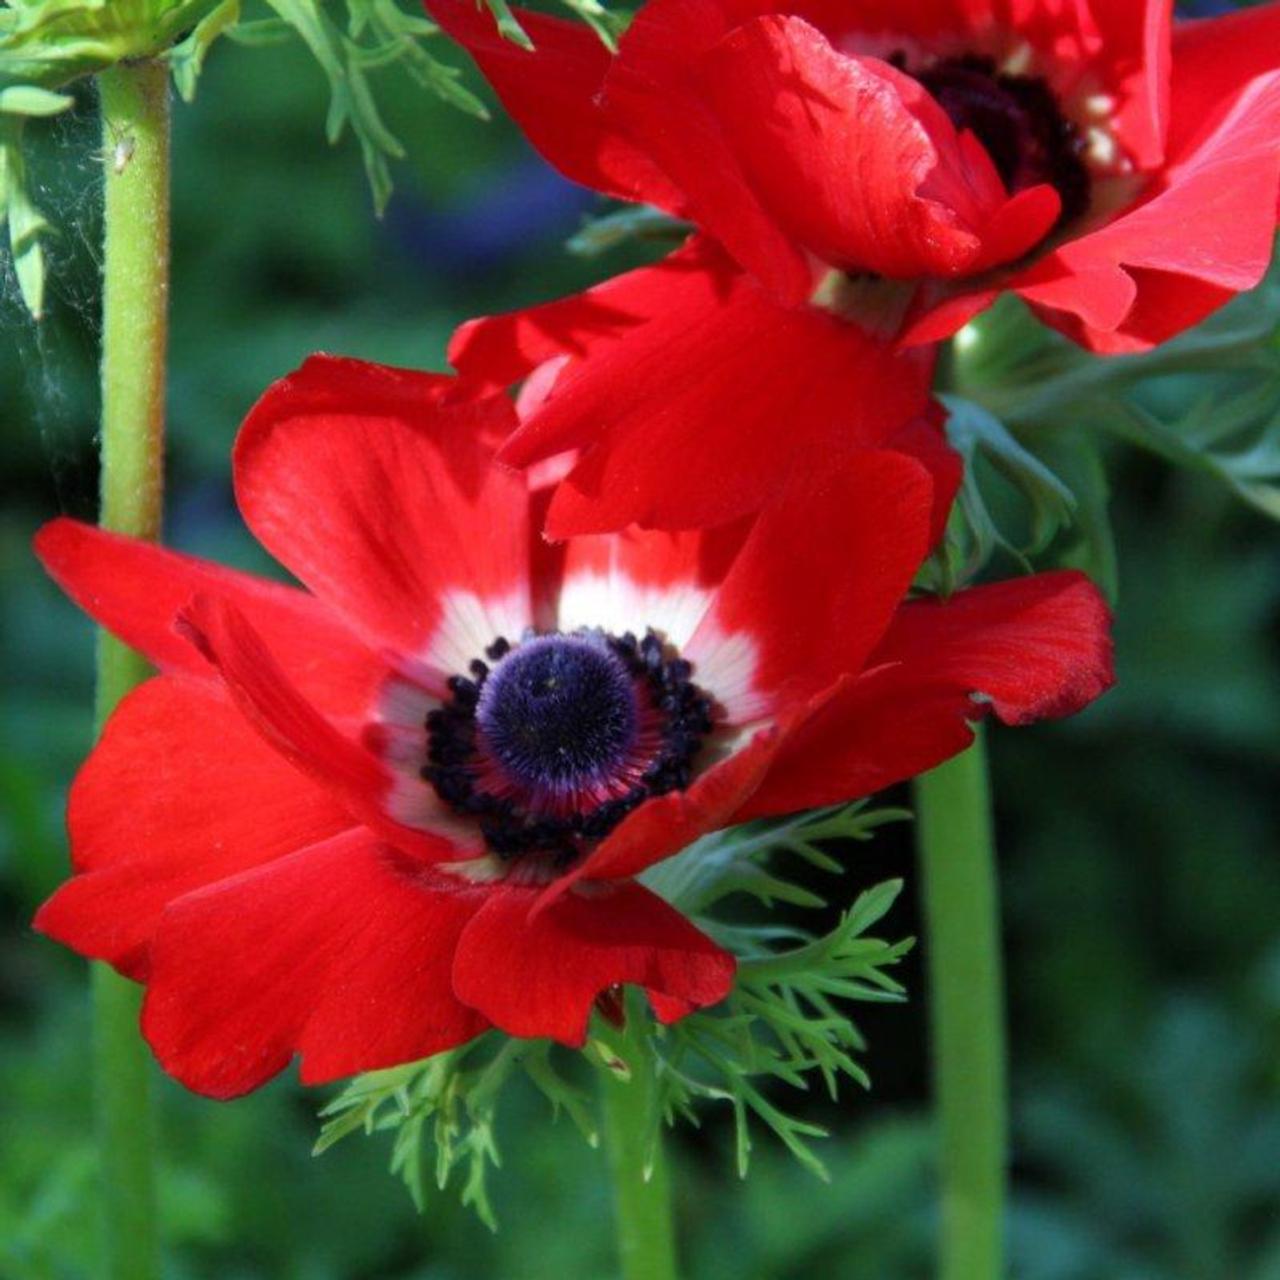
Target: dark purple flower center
point(1020, 123)
point(560, 713)
point(550, 743)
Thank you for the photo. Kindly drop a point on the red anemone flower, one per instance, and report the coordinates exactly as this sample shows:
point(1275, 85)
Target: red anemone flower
point(366, 819)
point(1116, 170)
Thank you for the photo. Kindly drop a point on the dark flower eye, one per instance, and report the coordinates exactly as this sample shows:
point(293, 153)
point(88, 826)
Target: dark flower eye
point(560, 713)
point(552, 746)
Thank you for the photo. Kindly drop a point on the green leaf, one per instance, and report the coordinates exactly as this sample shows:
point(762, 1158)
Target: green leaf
point(508, 24)
point(978, 527)
point(30, 100)
point(1207, 401)
point(450, 1104)
point(186, 60)
point(46, 45)
point(639, 222)
point(782, 1021)
point(607, 25)
point(387, 36)
point(734, 861)
point(1235, 439)
point(51, 43)
point(25, 221)
point(1078, 459)
point(261, 33)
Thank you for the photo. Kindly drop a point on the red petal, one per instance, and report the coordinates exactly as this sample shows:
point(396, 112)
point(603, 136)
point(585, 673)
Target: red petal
point(136, 589)
point(1213, 58)
point(1100, 294)
point(1035, 648)
point(637, 579)
point(822, 574)
point(496, 351)
point(925, 439)
point(538, 973)
point(1165, 305)
point(1136, 44)
point(858, 163)
point(293, 726)
point(941, 314)
point(700, 391)
point(384, 501)
point(340, 952)
point(652, 89)
point(668, 1009)
point(1210, 222)
point(865, 734)
point(552, 92)
point(669, 823)
point(1031, 647)
point(669, 37)
point(655, 88)
point(178, 793)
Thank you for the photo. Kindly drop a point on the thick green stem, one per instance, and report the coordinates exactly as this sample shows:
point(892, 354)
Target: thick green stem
point(135, 118)
point(646, 1234)
point(962, 945)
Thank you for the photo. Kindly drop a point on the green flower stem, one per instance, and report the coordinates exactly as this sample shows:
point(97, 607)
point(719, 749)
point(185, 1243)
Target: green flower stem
point(962, 946)
point(646, 1235)
point(135, 118)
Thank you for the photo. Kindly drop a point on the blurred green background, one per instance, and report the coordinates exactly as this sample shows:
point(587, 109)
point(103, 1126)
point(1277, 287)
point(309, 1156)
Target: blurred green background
point(1139, 845)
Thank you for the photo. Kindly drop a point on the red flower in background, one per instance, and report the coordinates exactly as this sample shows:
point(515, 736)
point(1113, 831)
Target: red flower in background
point(366, 819)
point(1118, 172)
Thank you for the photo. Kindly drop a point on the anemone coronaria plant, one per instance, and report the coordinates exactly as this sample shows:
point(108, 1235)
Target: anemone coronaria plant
point(590, 642)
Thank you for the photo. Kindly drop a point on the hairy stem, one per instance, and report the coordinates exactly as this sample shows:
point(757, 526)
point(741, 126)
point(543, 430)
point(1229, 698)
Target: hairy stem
point(641, 1187)
point(962, 943)
point(135, 120)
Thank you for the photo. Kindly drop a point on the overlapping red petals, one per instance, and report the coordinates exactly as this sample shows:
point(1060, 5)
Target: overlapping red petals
point(235, 843)
point(783, 130)
point(688, 369)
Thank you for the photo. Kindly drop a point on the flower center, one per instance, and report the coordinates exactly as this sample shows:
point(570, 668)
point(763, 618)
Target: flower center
point(550, 743)
point(559, 713)
point(1019, 122)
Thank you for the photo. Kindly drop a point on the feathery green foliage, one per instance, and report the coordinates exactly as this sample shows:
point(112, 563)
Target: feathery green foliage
point(50, 45)
point(784, 1021)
